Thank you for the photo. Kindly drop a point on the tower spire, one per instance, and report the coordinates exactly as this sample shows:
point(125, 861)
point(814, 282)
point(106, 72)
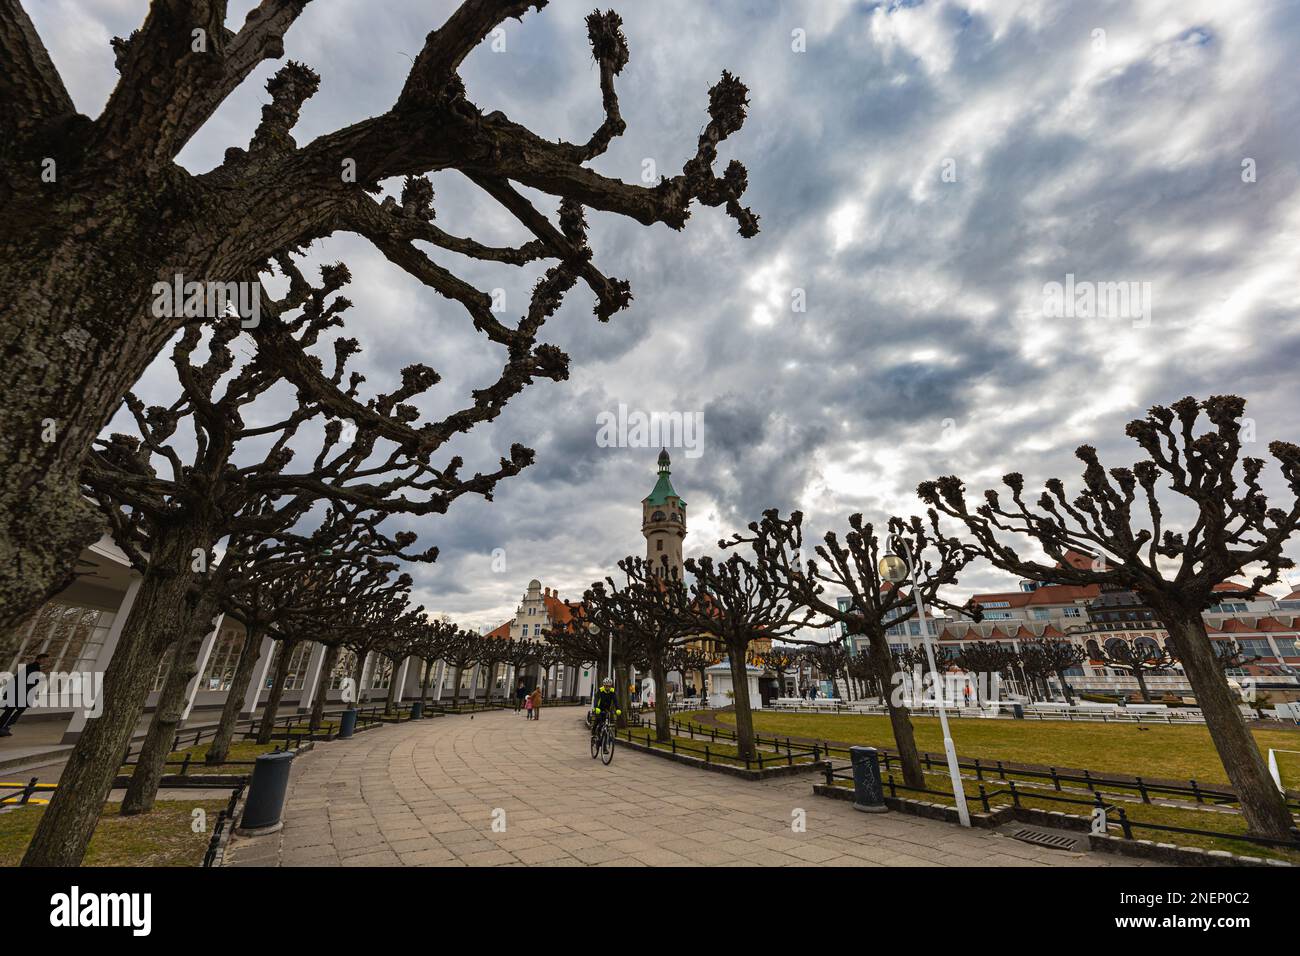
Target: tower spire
point(663, 519)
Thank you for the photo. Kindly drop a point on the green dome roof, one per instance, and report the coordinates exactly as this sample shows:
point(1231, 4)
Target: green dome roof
point(663, 489)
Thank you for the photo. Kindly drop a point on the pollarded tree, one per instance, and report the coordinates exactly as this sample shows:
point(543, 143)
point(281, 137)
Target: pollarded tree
point(874, 604)
point(1229, 529)
point(985, 658)
point(780, 658)
point(462, 650)
point(432, 637)
point(185, 481)
point(1138, 656)
point(692, 657)
point(651, 608)
point(829, 660)
point(737, 604)
point(1046, 656)
point(98, 212)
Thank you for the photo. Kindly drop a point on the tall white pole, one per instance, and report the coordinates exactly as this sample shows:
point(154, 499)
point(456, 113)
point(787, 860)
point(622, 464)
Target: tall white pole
point(954, 772)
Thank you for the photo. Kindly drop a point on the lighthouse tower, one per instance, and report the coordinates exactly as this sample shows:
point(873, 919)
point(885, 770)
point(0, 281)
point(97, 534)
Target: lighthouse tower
point(663, 520)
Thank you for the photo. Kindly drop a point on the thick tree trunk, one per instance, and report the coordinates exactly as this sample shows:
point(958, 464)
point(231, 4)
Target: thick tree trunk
point(391, 699)
point(358, 675)
point(1262, 805)
point(1065, 687)
point(659, 671)
point(244, 667)
point(323, 688)
point(487, 683)
point(744, 716)
point(424, 684)
point(900, 718)
point(161, 738)
point(163, 607)
point(455, 691)
point(267, 727)
point(1140, 676)
point(622, 680)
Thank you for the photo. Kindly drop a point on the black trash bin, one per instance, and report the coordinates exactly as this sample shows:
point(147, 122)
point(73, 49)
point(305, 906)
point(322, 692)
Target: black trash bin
point(868, 792)
point(266, 794)
point(1018, 711)
point(347, 724)
point(417, 710)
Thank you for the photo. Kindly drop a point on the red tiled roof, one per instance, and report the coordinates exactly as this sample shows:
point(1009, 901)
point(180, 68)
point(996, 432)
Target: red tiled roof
point(501, 631)
point(1047, 594)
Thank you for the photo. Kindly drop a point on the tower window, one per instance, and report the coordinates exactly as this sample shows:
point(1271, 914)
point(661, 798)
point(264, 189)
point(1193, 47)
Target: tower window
point(657, 516)
point(659, 544)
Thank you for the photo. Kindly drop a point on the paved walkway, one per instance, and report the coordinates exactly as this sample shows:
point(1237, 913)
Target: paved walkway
point(428, 793)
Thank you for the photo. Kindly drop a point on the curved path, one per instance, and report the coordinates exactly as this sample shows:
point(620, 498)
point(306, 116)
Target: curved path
point(499, 790)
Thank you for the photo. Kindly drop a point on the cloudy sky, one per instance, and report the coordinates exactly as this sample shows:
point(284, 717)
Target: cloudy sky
point(922, 169)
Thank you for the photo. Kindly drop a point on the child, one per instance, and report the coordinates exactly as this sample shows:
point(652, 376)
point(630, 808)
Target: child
point(528, 706)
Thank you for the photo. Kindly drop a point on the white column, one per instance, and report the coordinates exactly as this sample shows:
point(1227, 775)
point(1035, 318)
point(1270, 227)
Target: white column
point(254, 692)
point(78, 722)
point(367, 667)
point(205, 654)
point(439, 676)
point(399, 675)
point(314, 664)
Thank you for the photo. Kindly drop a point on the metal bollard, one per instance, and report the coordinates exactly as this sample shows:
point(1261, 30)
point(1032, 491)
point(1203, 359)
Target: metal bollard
point(868, 794)
point(266, 794)
point(347, 724)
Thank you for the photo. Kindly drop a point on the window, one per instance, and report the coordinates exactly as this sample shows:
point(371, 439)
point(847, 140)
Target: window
point(381, 672)
point(998, 615)
point(343, 667)
point(659, 546)
point(1256, 647)
point(220, 672)
point(995, 604)
point(1039, 614)
point(1071, 612)
point(70, 634)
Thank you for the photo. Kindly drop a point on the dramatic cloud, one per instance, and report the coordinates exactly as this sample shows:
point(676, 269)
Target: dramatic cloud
point(923, 171)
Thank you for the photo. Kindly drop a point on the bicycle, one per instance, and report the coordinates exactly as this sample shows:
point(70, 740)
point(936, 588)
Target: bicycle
point(602, 740)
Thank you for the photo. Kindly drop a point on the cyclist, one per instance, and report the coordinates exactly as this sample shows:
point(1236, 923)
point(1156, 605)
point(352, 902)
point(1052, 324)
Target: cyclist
point(604, 706)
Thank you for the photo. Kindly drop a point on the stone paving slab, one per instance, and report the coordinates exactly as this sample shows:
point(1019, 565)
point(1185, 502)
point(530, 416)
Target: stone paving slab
point(500, 790)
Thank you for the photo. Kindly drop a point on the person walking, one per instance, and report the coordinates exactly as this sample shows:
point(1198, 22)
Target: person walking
point(520, 694)
point(536, 699)
point(25, 685)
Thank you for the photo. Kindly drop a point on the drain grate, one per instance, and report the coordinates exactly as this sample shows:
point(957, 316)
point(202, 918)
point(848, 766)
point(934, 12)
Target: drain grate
point(1054, 841)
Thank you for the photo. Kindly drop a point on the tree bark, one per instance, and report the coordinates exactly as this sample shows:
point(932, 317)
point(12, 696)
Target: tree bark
point(391, 699)
point(1262, 805)
point(358, 674)
point(740, 697)
point(244, 667)
point(623, 680)
point(323, 688)
point(1142, 682)
point(162, 610)
point(900, 718)
point(160, 740)
point(274, 695)
point(455, 691)
point(424, 684)
point(659, 671)
point(1065, 687)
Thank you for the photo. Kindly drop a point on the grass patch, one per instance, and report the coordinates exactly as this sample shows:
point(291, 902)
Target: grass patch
point(722, 751)
point(239, 750)
point(163, 837)
point(1163, 751)
point(1136, 813)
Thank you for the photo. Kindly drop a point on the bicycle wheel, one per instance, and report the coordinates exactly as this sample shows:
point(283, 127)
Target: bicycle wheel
point(606, 745)
point(595, 745)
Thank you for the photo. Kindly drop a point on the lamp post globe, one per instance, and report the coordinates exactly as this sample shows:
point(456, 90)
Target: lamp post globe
point(893, 568)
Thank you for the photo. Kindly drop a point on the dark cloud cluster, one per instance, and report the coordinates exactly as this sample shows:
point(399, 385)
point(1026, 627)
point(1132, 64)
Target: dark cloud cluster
point(1102, 140)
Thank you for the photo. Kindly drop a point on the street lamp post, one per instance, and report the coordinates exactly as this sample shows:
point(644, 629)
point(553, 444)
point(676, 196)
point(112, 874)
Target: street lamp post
point(895, 569)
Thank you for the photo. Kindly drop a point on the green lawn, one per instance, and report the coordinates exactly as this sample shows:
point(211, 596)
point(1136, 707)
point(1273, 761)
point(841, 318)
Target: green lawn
point(163, 837)
point(239, 750)
point(722, 751)
point(1170, 752)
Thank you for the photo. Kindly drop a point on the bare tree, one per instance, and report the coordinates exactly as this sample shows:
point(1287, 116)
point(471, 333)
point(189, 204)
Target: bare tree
point(1045, 656)
point(99, 213)
point(874, 605)
point(1118, 517)
point(737, 604)
point(1138, 656)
